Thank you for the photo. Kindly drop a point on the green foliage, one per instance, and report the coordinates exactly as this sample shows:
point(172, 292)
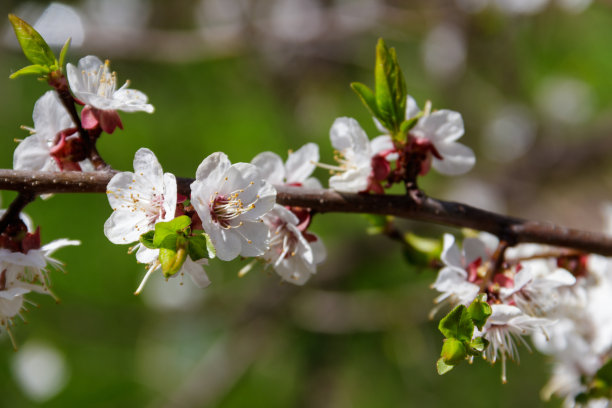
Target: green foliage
point(600, 386)
point(387, 102)
point(63, 52)
point(175, 242)
point(458, 328)
point(35, 49)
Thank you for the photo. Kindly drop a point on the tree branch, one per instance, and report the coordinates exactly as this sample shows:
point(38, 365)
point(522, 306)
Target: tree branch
point(416, 207)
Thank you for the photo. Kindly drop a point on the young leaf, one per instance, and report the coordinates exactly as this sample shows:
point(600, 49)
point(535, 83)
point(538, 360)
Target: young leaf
point(34, 47)
point(442, 367)
point(63, 52)
point(197, 247)
point(172, 260)
point(384, 97)
point(31, 70)
point(457, 324)
point(166, 232)
point(146, 239)
point(480, 311)
point(453, 351)
point(398, 87)
point(477, 345)
point(367, 97)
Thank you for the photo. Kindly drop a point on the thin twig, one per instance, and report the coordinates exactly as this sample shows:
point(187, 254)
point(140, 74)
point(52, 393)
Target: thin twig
point(12, 213)
point(510, 229)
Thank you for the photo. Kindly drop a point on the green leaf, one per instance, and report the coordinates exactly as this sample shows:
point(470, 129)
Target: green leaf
point(63, 52)
point(166, 232)
point(477, 345)
point(430, 246)
point(442, 367)
point(480, 310)
point(398, 88)
point(408, 124)
point(146, 239)
point(212, 252)
point(384, 97)
point(367, 97)
point(171, 261)
point(197, 247)
point(457, 324)
point(34, 47)
point(605, 373)
point(453, 351)
point(39, 70)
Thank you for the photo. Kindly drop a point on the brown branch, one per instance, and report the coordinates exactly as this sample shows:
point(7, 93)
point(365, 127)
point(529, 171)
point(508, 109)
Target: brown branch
point(510, 229)
point(24, 198)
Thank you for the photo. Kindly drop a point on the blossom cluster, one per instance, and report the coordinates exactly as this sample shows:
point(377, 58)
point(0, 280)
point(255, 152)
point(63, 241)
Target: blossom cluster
point(561, 301)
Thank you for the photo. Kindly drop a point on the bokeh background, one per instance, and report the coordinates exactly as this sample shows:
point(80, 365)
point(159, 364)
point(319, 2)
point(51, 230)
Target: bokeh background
point(532, 80)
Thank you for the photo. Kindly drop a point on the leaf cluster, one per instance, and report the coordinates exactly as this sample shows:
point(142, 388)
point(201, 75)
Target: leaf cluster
point(36, 50)
point(387, 102)
point(458, 329)
point(175, 241)
point(599, 387)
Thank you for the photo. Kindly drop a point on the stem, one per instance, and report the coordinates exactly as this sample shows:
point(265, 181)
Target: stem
point(510, 229)
point(12, 213)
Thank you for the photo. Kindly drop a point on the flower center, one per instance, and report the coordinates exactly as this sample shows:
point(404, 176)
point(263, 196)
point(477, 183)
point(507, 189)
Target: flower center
point(102, 82)
point(225, 208)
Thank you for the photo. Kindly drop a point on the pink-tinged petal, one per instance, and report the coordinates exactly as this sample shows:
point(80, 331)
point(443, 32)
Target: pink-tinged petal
point(270, 166)
point(109, 120)
point(301, 163)
point(89, 117)
point(457, 159)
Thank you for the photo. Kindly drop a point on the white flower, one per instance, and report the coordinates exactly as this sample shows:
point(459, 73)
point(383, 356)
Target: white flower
point(94, 84)
point(441, 129)
point(355, 153)
point(139, 200)
point(507, 325)
point(293, 256)
point(296, 171)
point(453, 280)
point(51, 122)
point(537, 286)
point(230, 200)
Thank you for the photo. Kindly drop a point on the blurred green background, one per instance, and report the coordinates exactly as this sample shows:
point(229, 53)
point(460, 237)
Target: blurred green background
point(532, 80)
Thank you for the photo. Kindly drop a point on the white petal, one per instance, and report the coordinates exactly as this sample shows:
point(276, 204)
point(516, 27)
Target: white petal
point(380, 144)
point(53, 246)
point(257, 234)
point(146, 255)
point(352, 181)
point(443, 126)
point(270, 166)
point(121, 226)
point(346, 133)
point(473, 248)
point(196, 272)
point(457, 159)
point(213, 168)
point(450, 252)
point(227, 243)
point(412, 109)
point(301, 163)
point(147, 166)
point(33, 154)
point(131, 100)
